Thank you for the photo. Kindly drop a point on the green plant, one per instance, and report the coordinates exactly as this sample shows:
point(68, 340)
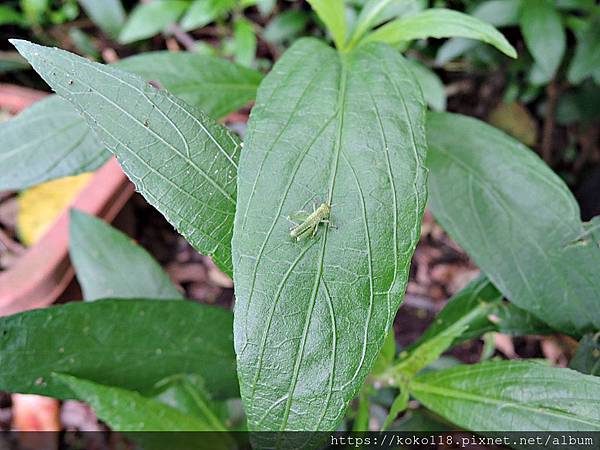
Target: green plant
point(347, 127)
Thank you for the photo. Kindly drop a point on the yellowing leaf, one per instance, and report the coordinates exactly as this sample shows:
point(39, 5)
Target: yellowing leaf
point(41, 205)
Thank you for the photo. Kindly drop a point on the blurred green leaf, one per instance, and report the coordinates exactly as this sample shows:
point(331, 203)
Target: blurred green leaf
point(203, 12)
point(46, 141)
point(109, 15)
point(83, 43)
point(286, 26)
point(544, 35)
point(244, 42)
point(130, 344)
point(587, 54)
point(431, 85)
point(149, 19)
point(110, 265)
point(215, 85)
point(587, 356)
point(12, 61)
point(10, 16)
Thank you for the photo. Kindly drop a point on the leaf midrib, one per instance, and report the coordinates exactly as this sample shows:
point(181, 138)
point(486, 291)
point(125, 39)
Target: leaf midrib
point(187, 159)
point(319, 272)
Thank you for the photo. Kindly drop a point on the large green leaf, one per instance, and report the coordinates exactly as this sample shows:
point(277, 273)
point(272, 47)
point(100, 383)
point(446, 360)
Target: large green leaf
point(130, 344)
point(48, 140)
point(180, 160)
point(126, 410)
point(441, 23)
point(214, 85)
point(107, 14)
point(51, 140)
point(516, 219)
point(512, 395)
point(148, 19)
point(544, 34)
point(312, 315)
point(110, 265)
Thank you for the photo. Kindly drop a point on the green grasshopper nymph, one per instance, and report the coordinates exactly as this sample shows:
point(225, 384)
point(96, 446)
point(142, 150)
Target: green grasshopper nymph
point(308, 224)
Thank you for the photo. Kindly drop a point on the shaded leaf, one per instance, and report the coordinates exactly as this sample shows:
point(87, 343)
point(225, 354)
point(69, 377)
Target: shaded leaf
point(109, 15)
point(526, 244)
point(587, 54)
point(431, 85)
point(125, 410)
point(286, 26)
point(46, 141)
point(148, 19)
point(180, 160)
point(311, 316)
point(512, 395)
point(244, 42)
point(544, 34)
point(110, 265)
point(187, 394)
point(203, 12)
point(215, 85)
point(587, 356)
point(129, 344)
point(441, 23)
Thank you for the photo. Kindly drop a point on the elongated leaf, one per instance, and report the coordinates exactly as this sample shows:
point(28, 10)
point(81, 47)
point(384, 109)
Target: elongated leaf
point(214, 85)
point(57, 141)
point(110, 265)
point(499, 13)
point(148, 19)
point(244, 42)
point(47, 141)
point(187, 394)
point(376, 12)
point(125, 410)
point(202, 12)
point(441, 23)
point(333, 15)
point(431, 85)
point(181, 161)
point(130, 344)
point(587, 357)
point(312, 315)
point(109, 15)
point(544, 34)
point(481, 304)
point(516, 219)
point(512, 395)
point(286, 26)
point(587, 54)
